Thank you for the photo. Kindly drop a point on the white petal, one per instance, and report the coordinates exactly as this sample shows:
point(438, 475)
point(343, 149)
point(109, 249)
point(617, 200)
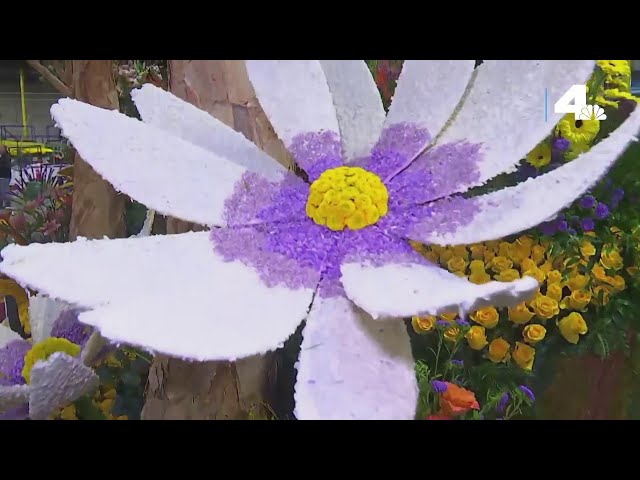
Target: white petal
point(427, 94)
point(530, 203)
point(403, 290)
point(168, 293)
point(56, 382)
point(13, 396)
point(43, 313)
point(504, 110)
point(358, 105)
point(7, 335)
point(165, 173)
point(164, 110)
point(353, 368)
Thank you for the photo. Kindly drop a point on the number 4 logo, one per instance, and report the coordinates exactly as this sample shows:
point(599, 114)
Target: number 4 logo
point(579, 107)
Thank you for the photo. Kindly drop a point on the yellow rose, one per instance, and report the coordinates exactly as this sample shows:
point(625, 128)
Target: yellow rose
point(487, 317)
point(437, 248)
point(508, 275)
point(476, 266)
point(618, 283)
point(479, 277)
point(500, 263)
point(535, 273)
point(461, 251)
point(456, 264)
point(554, 276)
point(433, 256)
point(528, 264)
point(492, 244)
point(600, 295)
point(423, 324)
point(524, 355)
point(499, 350)
point(477, 251)
point(572, 326)
point(537, 254)
point(518, 252)
point(577, 301)
point(526, 240)
point(489, 255)
point(554, 290)
point(476, 337)
point(546, 267)
point(611, 259)
point(445, 256)
point(545, 307)
point(587, 249)
point(503, 249)
point(533, 333)
point(451, 334)
point(520, 314)
point(577, 282)
point(449, 316)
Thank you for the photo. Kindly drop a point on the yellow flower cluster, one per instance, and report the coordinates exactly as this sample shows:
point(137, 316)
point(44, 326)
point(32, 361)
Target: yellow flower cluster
point(566, 291)
point(104, 398)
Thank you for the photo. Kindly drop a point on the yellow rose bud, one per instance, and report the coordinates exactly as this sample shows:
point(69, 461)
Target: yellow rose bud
point(546, 267)
point(545, 307)
point(69, 413)
point(492, 244)
point(520, 314)
point(524, 355)
point(537, 254)
point(600, 295)
point(587, 249)
point(508, 275)
point(503, 249)
point(618, 283)
point(451, 334)
point(526, 240)
point(533, 333)
point(437, 248)
point(487, 317)
point(476, 266)
point(461, 251)
point(578, 300)
point(500, 263)
point(432, 256)
point(535, 273)
point(445, 256)
point(632, 271)
point(423, 324)
point(456, 264)
point(611, 259)
point(499, 350)
point(616, 231)
point(477, 251)
point(489, 255)
point(449, 316)
point(572, 326)
point(554, 276)
point(554, 290)
point(479, 277)
point(476, 337)
point(528, 264)
point(577, 282)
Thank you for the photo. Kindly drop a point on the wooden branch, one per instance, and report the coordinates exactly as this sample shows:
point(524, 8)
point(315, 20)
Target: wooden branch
point(51, 78)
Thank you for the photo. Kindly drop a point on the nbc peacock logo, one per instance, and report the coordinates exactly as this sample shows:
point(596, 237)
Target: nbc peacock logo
point(592, 112)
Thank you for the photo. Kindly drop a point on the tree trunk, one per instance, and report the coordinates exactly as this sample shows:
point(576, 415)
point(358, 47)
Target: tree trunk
point(216, 390)
point(98, 210)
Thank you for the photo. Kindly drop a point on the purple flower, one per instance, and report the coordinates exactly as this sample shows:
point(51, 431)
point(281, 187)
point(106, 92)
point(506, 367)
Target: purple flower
point(572, 231)
point(527, 171)
point(602, 211)
point(457, 363)
point(443, 323)
point(524, 389)
point(502, 404)
point(587, 224)
point(462, 322)
point(588, 201)
point(560, 144)
point(438, 386)
point(563, 226)
point(548, 228)
point(616, 196)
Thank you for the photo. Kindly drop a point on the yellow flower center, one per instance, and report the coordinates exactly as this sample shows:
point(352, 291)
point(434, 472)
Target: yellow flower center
point(347, 197)
point(43, 350)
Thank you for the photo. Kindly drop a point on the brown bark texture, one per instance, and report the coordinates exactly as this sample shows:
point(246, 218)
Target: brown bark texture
point(98, 209)
point(178, 389)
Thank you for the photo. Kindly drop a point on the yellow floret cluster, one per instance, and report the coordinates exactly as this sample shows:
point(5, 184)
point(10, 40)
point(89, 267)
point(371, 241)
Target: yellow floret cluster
point(43, 350)
point(347, 197)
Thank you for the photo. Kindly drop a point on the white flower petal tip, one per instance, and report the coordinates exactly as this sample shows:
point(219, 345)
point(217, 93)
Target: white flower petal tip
point(393, 291)
point(167, 293)
point(56, 382)
point(161, 171)
point(7, 335)
point(358, 105)
point(352, 368)
point(167, 112)
point(43, 312)
point(13, 396)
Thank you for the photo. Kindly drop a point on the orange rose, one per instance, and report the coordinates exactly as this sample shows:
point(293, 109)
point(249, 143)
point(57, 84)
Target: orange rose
point(438, 417)
point(457, 401)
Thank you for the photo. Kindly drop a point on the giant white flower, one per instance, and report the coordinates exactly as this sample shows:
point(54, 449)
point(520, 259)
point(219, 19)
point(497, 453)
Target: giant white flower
point(331, 248)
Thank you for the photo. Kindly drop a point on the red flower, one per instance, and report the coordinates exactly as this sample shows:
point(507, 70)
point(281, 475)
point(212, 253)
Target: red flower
point(438, 417)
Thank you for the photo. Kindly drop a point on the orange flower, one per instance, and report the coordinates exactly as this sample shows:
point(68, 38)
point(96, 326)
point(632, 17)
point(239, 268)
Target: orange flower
point(457, 401)
point(438, 417)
